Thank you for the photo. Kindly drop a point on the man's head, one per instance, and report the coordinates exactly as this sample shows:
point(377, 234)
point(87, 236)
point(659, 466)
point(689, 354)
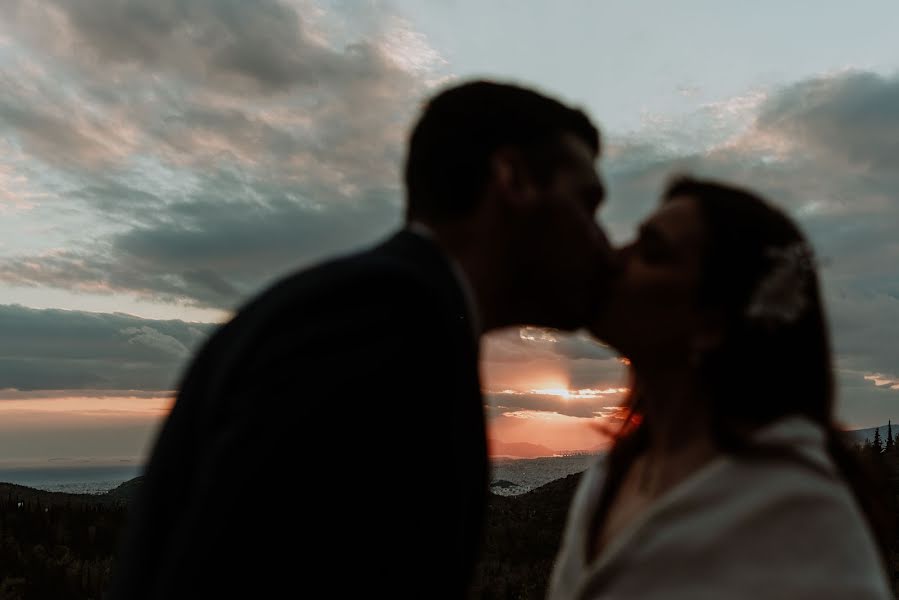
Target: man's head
point(514, 171)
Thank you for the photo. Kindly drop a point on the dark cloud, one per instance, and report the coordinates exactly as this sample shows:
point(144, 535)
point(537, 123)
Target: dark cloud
point(261, 45)
point(209, 253)
point(43, 394)
point(825, 150)
point(203, 191)
point(853, 117)
point(65, 350)
point(118, 79)
point(45, 133)
point(583, 408)
point(515, 344)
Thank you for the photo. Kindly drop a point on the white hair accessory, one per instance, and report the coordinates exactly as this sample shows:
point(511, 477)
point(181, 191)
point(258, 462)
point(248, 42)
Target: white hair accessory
point(783, 294)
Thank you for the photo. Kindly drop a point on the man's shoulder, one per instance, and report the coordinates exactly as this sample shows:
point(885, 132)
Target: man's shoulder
point(359, 275)
point(381, 279)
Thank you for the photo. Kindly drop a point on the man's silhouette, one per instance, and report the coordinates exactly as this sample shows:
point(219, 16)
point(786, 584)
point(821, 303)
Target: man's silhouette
point(329, 441)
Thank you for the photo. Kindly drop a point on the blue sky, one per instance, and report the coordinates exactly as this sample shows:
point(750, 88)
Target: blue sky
point(169, 159)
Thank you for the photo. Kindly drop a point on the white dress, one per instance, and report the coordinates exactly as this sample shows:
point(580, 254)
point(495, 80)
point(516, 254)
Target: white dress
point(732, 530)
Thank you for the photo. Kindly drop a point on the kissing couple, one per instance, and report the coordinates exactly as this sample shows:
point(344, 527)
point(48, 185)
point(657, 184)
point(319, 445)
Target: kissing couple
point(356, 383)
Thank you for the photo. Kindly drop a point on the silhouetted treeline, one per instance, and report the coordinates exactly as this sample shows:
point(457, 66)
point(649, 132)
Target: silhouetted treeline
point(880, 453)
point(57, 546)
point(521, 538)
point(61, 546)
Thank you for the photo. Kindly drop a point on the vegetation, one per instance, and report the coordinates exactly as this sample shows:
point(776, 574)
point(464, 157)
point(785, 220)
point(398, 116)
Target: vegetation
point(58, 546)
point(881, 456)
point(520, 542)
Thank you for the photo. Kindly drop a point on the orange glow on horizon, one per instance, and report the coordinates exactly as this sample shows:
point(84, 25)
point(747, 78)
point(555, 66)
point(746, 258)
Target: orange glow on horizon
point(66, 428)
point(73, 409)
point(568, 394)
point(558, 432)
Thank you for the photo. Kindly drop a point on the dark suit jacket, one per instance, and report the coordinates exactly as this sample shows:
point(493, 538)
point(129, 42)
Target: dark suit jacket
point(338, 417)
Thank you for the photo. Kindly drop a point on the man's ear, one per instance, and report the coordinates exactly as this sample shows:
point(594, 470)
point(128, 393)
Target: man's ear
point(510, 178)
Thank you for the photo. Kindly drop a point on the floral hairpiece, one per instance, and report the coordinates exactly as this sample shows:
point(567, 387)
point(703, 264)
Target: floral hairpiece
point(783, 294)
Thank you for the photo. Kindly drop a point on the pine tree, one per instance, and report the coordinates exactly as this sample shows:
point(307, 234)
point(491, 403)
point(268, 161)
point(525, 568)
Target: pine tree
point(889, 443)
point(877, 444)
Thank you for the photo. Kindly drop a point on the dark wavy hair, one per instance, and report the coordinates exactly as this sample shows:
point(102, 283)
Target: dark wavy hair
point(759, 373)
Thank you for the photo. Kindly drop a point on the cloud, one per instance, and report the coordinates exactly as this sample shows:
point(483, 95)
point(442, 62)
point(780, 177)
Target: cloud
point(154, 339)
point(192, 152)
point(212, 146)
point(515, 343)
point(263, 45)
point(600, 406)
point(825, 150)
point(70, 350)
point(206, 253)
point(63, 394)
point(851, 118)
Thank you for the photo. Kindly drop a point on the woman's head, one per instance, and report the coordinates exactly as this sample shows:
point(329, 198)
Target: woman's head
point(722, 283)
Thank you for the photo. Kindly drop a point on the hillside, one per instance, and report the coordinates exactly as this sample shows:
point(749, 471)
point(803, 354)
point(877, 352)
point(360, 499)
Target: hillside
point(123, 494)
point(856, 436)
point(518, 449)
point(60, 546)
point(520, 542)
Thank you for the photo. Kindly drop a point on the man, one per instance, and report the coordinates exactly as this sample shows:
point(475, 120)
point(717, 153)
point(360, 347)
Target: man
point(338, 417)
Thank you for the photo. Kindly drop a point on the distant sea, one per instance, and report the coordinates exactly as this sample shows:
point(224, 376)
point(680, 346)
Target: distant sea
point(513, 476)
point(509, 476)
point(72, 479)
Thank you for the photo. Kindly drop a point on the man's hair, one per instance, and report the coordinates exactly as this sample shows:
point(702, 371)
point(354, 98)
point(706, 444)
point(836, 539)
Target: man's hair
point(448, 164)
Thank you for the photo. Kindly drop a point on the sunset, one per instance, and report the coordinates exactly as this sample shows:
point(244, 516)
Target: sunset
point(165, 163)
point(137, 182)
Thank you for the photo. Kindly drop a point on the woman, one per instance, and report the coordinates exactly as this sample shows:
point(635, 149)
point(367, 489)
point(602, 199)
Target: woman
point(729, 479)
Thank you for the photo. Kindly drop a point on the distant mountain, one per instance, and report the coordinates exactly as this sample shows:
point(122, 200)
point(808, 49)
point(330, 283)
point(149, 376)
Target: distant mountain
point(859, 435)
point(123, 494)
point(518, 449)
point(126, 491)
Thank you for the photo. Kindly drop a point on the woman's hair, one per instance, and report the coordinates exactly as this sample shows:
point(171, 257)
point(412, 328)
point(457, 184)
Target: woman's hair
point(774, 360)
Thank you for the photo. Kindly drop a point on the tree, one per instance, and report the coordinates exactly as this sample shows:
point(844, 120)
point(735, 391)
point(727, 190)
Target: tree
point(890, 445)
point(877, 444)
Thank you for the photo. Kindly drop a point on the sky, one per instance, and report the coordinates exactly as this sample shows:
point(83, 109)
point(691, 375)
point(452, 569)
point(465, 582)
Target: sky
point(162, 161)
